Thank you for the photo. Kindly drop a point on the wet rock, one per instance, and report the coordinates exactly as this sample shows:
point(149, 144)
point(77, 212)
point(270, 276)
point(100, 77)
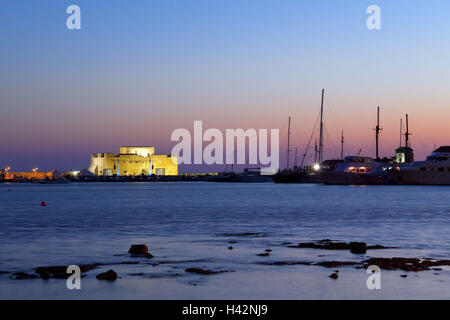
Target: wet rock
point(60, 272)
point(140, 250)
point(379, 247)
point(323, 244)
point(45, 275)
point(230, 248)
point(129, 262)
point(109, 275)
point(268, 250)
point(263, 254)
point(334, 276)
point(203, 271)
point(358, 247)
point(23, 276)
point(406, 264)
point(433, 262)
point(327, 244)
point(287, 263)
point(232, 241)
point(245, 234)
point(403, 275)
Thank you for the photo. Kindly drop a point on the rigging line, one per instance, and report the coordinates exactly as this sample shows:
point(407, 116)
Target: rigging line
point(419, 137)
point(309, 142)
point(332, 117)
point(331, 145)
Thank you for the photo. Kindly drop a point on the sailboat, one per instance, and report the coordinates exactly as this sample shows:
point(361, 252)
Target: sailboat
point(361, 170)
point(299, 174)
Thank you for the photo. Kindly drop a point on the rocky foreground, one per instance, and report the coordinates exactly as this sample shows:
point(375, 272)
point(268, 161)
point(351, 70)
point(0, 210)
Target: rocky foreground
point(357, 248)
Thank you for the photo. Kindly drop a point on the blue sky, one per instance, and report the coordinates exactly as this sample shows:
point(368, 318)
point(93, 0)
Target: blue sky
point(139, 69)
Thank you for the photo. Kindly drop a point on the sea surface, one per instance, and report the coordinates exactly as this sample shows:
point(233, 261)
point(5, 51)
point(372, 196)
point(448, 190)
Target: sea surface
point(193, 224)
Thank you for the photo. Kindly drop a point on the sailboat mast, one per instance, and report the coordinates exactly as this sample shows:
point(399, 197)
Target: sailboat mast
point(342, 145)
point(407, 134)
point(321, 130)
point(288, 145)
point(377, 133)
point(315, 152)
point(401, 131)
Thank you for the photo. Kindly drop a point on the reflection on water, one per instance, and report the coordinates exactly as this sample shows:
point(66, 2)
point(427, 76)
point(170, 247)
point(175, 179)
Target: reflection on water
point(192, 224)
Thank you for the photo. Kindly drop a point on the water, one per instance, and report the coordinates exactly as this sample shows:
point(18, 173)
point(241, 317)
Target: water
point(190, 224)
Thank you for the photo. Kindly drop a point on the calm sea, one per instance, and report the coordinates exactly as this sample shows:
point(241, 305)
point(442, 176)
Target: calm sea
point(192, 224)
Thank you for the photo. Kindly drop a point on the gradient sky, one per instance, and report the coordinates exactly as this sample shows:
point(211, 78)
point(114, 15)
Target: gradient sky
point(137, 70)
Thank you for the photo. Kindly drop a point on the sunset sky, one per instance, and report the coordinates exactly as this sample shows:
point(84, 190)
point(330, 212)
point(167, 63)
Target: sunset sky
point(137, 70)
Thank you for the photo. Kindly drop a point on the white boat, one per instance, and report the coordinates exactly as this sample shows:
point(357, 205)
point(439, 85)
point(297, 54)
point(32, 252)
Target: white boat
point(435, 170)
point(353, 171)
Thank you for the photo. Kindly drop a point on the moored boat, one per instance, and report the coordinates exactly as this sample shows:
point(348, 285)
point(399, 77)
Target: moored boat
point(352, 171)
point(435, 170)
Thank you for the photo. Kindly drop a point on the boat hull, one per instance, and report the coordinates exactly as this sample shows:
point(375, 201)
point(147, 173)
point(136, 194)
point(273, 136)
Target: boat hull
point(416, 177)
point(297, 177)
point(342, 178)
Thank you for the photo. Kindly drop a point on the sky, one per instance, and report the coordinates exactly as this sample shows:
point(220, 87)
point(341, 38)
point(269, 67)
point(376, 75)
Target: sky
point(137, 70)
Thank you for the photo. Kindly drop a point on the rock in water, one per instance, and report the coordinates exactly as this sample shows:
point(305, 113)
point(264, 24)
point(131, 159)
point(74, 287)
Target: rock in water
point(263, 254)
point(23, 276)
point(140, 250)
point(109, 275)
point(334, 276)
point(358, 247)
point(203, 271)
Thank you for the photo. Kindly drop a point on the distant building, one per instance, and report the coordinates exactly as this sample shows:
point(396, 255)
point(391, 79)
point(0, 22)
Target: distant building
point(133, 161)
point(29, 175)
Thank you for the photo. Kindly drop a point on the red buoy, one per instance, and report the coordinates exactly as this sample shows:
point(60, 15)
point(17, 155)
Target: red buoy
point(43, 204)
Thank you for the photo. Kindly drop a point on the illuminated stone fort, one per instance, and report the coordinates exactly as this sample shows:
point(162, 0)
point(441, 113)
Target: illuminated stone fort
point(133, 161)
